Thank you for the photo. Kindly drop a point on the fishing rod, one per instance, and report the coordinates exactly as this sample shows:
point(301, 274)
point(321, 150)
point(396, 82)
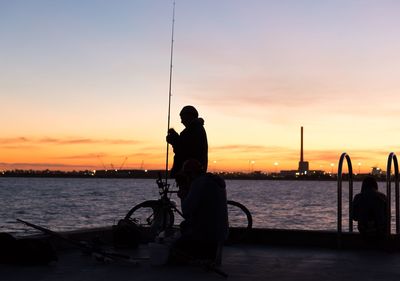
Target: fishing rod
point(85, 247)
point(170, 89)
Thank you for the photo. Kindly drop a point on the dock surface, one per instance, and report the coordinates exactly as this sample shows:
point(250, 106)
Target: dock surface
point(241, 262)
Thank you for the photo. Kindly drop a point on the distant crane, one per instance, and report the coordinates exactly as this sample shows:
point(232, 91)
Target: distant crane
point(102, 163)
point(123, 163)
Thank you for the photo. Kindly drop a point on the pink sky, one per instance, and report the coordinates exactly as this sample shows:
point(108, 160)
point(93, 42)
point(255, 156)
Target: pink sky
point(83, 84)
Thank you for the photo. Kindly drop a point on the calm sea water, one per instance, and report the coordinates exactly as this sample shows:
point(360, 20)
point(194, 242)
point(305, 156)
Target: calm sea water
point(68, 204)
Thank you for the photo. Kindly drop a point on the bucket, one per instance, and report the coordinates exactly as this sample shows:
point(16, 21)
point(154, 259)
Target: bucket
point(159, 253)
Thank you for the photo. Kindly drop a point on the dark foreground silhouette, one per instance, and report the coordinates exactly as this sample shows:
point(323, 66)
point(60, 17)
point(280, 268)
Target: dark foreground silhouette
point(26, 251)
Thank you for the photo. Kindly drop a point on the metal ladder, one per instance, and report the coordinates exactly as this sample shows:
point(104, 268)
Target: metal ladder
point(391, 158)
point(339, 196)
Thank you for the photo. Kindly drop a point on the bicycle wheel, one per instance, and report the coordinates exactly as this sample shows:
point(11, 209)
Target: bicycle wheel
point(151, 214)
point(240, 221)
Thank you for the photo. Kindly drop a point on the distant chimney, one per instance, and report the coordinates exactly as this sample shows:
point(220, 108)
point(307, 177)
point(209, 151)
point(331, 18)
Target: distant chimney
point(303, 165)
point(301, 145)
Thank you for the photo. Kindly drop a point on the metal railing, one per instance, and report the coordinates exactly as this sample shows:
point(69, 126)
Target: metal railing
point(339, 194)
point(392, 158)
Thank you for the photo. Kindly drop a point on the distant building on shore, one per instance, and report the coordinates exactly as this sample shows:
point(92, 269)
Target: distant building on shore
point(377, 171)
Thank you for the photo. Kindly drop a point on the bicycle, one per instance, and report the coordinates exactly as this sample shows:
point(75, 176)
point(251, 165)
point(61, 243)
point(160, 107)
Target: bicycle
point(159, 215)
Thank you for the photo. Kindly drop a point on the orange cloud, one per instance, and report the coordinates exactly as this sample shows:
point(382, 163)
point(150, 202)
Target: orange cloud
point(41, 166)
point(83, 156)
point(15, 140)
point(66, 141)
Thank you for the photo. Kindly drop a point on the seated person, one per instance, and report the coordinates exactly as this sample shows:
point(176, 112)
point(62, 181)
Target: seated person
point(204, 208)
point(370, 210)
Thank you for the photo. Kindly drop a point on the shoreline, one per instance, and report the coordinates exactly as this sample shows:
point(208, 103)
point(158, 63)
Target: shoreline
point(226, 176)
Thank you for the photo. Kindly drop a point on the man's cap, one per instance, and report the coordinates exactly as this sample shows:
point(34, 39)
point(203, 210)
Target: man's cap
point(189, 110)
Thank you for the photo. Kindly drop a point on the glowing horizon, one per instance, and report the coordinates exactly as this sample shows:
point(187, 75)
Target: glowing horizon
point(85, 85)
point(265, 159)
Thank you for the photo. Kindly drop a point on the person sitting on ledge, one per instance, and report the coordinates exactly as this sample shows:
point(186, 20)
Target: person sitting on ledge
point(370, 210)
point(204, 208)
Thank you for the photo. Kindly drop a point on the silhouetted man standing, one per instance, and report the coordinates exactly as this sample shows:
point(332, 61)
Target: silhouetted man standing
point(191, 143)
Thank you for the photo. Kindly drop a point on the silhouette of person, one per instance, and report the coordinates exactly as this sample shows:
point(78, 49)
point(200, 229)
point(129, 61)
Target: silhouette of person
point(370, 210)
point(191, 143)
point(204, 208)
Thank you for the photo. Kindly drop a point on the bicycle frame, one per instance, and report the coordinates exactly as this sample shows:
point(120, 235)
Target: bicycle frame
point(163, 187)
point(167, 203)
point(161, 216)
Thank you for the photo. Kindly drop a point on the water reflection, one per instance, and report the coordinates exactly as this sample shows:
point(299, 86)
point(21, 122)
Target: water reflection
point(67, 204)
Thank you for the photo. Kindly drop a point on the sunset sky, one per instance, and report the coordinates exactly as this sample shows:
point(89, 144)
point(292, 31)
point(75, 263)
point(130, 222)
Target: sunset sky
point(84, 84)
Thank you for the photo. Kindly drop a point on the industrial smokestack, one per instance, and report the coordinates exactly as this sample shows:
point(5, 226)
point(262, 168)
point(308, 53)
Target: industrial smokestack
point(303, 165)
point(301, 145)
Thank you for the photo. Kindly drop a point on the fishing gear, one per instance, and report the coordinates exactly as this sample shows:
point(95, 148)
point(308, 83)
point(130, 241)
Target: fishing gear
point(170, 89)
point(85, 247)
